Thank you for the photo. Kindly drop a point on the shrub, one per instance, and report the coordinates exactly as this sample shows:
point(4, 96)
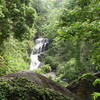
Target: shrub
point(46, 68)
point(43, 69)
point(52, 61)
point(67, 70)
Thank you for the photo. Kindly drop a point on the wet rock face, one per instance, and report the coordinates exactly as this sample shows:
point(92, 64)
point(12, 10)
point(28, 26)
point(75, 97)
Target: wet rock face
point(83, 87)
point(41, 44)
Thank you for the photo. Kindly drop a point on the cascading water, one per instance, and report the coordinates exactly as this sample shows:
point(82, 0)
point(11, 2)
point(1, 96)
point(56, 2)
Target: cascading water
point(40, 47)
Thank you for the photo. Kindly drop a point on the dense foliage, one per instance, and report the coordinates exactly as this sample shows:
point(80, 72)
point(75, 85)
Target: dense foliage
point(74, 35)
point(16, 28)
point(72, 27)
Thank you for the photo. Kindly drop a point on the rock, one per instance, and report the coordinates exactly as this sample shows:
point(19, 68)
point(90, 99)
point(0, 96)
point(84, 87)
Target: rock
point(22, 89)
point(83, 87)
point(41, 81)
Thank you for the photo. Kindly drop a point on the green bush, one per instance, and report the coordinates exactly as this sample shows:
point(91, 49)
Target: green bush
point(14, 54)
point(52, 61)
point(43, 69)
point(46, 68)
point(60, 81)
point(67, 70)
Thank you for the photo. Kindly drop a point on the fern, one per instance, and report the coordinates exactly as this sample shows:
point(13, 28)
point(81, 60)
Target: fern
point(97, 81)
point(95, 95)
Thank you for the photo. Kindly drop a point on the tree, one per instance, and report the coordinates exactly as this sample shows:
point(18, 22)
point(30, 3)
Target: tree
point(77, 26)
point(16, 28)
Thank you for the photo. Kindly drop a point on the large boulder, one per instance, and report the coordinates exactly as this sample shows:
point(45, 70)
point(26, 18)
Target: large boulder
point(62, 93)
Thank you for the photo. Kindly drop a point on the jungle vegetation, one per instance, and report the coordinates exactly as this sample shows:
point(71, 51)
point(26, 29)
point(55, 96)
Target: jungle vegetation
point(73, 30)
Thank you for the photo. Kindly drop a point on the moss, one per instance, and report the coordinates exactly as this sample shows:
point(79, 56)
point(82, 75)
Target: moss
point(22, 89)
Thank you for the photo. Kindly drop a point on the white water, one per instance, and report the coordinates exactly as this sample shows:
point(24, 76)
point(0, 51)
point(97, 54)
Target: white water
point(39, 48)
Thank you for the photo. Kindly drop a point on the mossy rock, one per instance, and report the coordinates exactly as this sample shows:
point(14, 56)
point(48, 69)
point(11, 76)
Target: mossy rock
point(27, 85)
point(23, 89)
point(39, 80)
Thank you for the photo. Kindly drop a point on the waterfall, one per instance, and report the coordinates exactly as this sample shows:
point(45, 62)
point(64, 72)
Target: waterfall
point(40, 46)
